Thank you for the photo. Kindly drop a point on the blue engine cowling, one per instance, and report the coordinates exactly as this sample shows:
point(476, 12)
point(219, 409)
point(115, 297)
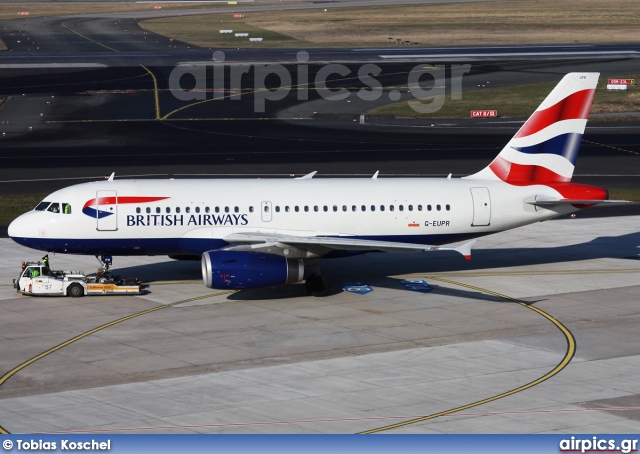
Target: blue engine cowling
point(242, 269)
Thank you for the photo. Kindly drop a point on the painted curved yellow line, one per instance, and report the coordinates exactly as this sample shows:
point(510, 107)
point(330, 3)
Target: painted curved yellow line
point(463, 274)
point(571, 349)
point(15, 370)
point(87, 38)
point(155, 91)
point(249, 92)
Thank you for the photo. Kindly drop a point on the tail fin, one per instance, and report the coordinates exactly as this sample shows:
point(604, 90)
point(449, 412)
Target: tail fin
point(545, 149)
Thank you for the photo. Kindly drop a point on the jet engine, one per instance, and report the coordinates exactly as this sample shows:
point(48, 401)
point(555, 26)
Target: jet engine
point(225, 269)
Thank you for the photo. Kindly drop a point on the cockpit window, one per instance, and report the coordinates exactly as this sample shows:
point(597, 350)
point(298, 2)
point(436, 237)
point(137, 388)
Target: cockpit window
point(66, 208)
point(54, 208)
point(42, 206)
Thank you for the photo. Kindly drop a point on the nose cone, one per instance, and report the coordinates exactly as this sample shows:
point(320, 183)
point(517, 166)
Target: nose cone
point(15, 228)
point(22, 227)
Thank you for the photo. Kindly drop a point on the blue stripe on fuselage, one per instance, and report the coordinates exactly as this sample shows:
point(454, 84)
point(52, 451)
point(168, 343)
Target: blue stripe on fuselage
point(172, 246)
point(93, 213)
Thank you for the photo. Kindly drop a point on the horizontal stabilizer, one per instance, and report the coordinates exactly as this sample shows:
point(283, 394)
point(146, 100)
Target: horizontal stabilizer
point(547, 201)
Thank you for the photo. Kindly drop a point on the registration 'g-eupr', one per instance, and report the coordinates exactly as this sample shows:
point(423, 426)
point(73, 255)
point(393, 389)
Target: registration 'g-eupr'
point(258, 233)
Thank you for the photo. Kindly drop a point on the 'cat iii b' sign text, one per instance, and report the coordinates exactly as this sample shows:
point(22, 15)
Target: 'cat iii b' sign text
point(484, 113)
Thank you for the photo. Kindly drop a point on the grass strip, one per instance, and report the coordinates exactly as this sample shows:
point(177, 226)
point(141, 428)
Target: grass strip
point(13, 205)
point(521, 101)
point(625, 194)
point(204, 31)
point(507, 22)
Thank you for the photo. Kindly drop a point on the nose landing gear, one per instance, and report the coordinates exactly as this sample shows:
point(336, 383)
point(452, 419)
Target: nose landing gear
point(105, 262)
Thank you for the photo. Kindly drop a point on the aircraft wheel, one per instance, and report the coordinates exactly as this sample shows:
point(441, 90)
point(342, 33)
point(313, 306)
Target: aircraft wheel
point(318, 285)
point(308, 284)
point(75, 291)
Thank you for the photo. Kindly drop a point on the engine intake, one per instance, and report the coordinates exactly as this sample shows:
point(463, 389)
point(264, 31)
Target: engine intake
point(242, 269)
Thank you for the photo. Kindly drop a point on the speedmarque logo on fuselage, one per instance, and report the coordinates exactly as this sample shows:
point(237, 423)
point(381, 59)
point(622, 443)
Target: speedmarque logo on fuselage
point(91, 207)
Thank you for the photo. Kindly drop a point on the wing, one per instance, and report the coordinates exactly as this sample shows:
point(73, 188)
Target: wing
point(321, 245)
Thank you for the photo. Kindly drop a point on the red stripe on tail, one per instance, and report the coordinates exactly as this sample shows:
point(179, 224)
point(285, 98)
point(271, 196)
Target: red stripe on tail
point(573, 107)
point(524, 174)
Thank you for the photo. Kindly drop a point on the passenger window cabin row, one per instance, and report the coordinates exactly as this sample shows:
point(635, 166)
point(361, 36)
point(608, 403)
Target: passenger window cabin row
point(178, 210)
point(297, 209)
point(65, 208)
point(361, 208)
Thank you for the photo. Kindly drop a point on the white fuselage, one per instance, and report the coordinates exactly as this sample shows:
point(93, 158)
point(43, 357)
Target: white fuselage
point(173, 217)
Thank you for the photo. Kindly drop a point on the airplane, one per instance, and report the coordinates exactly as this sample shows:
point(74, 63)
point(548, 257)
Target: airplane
point(252, 233)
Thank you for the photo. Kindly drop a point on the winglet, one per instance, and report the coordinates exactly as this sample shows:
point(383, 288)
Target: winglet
point(465, 249)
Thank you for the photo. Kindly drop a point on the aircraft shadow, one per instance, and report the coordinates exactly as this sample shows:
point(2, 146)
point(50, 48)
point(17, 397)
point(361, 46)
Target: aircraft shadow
point(375, 268)
point(298, 291)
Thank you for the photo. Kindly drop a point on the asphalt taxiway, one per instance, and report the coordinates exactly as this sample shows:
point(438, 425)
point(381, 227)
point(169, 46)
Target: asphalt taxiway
point(65, 127)
point(538, 333)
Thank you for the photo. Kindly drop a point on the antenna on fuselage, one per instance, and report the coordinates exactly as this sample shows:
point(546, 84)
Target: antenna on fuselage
point(307, 176)
point(375, 175)
point(111, 176)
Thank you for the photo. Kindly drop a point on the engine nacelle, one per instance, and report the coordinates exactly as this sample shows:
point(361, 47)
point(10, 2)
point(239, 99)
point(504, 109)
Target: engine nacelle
point(242, 269)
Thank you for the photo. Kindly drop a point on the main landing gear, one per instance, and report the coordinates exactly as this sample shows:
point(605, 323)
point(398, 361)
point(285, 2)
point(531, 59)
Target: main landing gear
point(317, 285)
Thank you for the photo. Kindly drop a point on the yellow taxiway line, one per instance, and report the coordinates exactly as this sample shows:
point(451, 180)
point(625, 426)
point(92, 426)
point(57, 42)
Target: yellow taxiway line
point(17, 369)
point(571, 350)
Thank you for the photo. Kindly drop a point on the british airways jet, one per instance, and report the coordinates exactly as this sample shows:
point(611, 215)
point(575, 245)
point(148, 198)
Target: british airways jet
point(259, 233)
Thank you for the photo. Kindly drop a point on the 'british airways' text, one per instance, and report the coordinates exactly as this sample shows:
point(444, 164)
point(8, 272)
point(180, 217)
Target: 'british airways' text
point(168, 220)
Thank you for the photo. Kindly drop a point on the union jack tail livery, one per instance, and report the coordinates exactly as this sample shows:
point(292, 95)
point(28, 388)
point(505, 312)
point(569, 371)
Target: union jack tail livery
point(545, 149)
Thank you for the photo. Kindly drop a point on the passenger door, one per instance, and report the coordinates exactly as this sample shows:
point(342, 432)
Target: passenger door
point(107, 210)
point(481, 207)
